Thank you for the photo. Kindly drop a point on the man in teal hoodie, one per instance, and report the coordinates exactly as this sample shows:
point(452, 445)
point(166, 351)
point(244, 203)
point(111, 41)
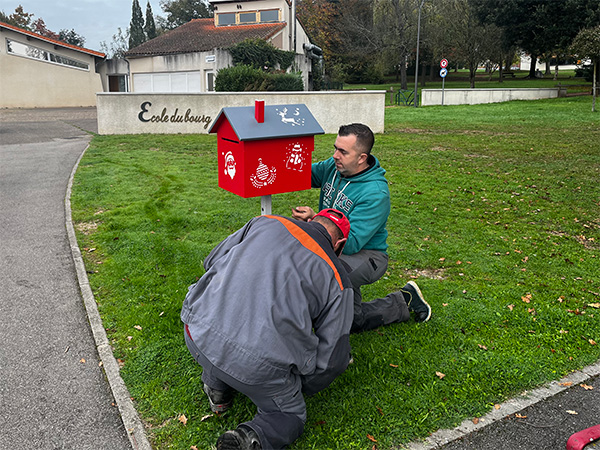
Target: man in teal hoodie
point(353, 181)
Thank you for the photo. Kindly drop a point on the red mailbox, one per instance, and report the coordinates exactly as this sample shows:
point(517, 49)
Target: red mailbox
point(264, 150)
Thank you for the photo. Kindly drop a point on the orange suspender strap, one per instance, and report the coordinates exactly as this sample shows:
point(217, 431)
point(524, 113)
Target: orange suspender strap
point(304, 238)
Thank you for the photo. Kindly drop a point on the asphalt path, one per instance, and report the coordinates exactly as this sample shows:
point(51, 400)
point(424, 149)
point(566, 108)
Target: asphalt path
point(53, 391)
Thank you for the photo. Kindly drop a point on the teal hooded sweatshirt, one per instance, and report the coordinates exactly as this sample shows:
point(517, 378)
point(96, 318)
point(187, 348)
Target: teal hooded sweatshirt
point(364, 198)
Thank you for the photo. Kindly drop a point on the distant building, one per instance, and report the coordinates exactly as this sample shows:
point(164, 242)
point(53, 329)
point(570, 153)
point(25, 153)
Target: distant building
point(39, 72)
point(187, 58)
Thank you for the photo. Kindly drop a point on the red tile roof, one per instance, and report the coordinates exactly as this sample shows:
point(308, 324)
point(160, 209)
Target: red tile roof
point(201, 35)
point(52, 41)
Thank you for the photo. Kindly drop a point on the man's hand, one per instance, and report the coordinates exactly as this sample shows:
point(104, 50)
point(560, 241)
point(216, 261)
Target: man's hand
point(303, 213)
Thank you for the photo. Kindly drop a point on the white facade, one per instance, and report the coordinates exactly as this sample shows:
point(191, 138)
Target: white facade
point(195, 71)
point(37, 72)
point(187, 72)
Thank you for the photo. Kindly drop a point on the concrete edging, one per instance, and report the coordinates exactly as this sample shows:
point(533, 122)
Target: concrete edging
point(512, 406)
point(131, 420)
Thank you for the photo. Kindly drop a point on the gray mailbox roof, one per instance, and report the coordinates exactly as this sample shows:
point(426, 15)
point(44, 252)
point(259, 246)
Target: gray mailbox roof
point(280, 121)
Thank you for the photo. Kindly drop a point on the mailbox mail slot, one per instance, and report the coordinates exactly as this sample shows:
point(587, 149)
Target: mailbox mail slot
point(262, 158)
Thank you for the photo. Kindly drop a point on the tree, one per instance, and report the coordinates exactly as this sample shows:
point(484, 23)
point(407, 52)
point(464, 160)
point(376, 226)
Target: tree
point(71, 37)
point(118, 46)
point(39, 27)
point(587, 45)
point(136, 26)
point(182, 11)
point(20, 18)
point(538, 26)
point(394, 24)
point(473, 43)
point(150, 26)
point(318, 18)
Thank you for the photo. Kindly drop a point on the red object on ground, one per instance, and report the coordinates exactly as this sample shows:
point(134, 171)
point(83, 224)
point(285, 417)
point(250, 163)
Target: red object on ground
point(584, 437)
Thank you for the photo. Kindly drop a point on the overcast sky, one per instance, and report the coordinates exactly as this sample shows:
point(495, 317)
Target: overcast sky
point(95, 20)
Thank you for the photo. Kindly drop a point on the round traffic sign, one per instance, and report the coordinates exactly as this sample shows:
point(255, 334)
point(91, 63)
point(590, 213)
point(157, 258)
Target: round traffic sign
point(444, 63)
point(443, 72)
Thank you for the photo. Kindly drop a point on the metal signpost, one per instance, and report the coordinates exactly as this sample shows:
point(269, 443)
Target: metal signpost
point(443, 73)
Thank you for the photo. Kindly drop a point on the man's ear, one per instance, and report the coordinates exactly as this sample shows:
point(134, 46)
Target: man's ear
point(339, 246)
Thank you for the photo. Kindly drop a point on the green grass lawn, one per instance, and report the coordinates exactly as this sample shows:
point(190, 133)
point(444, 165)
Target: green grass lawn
point(460, 80)
point(495, 214)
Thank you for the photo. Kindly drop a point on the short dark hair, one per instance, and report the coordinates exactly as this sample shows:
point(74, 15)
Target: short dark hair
point(330, 224)
point(364, 136)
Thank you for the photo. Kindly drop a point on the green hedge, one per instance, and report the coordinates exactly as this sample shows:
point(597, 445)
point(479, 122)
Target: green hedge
point(246, 78)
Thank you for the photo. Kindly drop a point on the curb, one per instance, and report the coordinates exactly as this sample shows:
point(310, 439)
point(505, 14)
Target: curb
point(131, 420)
point(512, 406)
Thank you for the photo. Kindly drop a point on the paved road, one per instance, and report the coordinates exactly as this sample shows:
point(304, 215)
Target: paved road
point(53, 394)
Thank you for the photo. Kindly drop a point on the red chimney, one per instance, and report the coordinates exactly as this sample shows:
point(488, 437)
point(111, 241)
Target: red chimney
point(259, 110)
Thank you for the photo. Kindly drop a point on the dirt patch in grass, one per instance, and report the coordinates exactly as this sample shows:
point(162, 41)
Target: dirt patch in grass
point(87, 228)
point(435, 274)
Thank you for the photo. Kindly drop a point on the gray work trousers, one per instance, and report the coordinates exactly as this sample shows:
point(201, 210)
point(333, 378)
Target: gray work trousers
point(281, 410)
point(366, 267)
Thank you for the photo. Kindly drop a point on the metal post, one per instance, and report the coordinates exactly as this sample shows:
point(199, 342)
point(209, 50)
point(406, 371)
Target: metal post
point(417, 60)
point(265, 205)
point(443, 80)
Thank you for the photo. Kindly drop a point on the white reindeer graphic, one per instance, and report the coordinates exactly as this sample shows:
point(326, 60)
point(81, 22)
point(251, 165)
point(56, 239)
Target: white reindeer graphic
point(292, 121)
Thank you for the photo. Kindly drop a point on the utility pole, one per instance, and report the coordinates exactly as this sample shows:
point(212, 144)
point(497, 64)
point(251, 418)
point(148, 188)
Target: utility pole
point(417, 60)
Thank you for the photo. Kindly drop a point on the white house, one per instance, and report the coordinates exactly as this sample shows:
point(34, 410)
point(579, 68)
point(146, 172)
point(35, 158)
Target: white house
point(187, 58)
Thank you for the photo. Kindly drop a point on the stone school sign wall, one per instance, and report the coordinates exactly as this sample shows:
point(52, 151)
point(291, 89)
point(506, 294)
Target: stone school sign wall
point(138, 113)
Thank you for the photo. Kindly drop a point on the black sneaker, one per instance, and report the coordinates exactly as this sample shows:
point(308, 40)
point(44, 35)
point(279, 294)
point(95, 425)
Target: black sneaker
point(242, 438)
point(220, 401)
point(416, 302)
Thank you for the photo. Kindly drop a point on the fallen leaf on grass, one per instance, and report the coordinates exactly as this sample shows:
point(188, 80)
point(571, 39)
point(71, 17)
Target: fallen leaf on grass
point(193, 447)
point(592, 342)
point(526, 298)
point(395, 366)
point(371, 438)
point(587, 387)
point(510, 307)
point(440, 375)
point(208, 416)
point(137, 327)
point(483, 347)
point(183, 419)
point(594, 305)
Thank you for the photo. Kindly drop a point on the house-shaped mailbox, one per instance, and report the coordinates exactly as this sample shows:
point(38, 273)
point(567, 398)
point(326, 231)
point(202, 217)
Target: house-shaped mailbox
point(264, 150)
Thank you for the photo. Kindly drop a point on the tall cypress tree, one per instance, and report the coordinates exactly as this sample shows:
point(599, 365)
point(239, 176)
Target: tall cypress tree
point(136, 26)
point(150, 27)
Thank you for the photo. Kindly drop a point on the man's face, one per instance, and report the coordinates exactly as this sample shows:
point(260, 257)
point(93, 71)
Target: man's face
point(348, 159)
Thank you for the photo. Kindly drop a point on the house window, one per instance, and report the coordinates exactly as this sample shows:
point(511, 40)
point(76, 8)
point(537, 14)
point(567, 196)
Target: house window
point(117, 83)
point(29, 51)
point(241, 18)
point(226, 18)
point(210, 81)
point(247, 17)
point(269, 16)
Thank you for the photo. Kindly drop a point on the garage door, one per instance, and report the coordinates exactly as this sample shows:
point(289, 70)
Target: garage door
point(167, 82)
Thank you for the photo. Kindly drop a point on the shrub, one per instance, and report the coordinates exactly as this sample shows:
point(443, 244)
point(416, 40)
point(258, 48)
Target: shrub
point(245, 78)
point(237, 78)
